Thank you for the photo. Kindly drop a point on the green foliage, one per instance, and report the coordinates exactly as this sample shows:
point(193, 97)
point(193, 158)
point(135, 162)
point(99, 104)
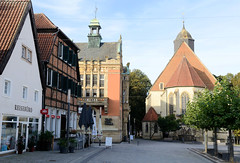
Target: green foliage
point(45, 141)
point(139, 84)
point(168, 123)
point(62, 142)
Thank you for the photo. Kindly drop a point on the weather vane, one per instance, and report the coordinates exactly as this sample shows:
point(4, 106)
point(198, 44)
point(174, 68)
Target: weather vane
point(96, 12)
point(183, 19)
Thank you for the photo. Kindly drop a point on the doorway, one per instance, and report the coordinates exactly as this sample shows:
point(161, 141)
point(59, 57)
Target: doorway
point(22, 131)
point(63, 126)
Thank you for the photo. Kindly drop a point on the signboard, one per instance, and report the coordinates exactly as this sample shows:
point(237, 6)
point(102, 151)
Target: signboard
point(52, 116)
point(108, 142)
point(44, 111)
point(47, 115)
point(58, 117)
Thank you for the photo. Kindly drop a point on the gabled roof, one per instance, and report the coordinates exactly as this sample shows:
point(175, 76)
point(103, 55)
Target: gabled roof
point(12, 17)
point(46, 43)
point(151, 115)
point(184, 50)
point(107, 49)
point(42, 22)
point(185, 76)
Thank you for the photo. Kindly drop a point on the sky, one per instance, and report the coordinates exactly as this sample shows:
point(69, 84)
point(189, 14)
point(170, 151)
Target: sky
point(148, 29)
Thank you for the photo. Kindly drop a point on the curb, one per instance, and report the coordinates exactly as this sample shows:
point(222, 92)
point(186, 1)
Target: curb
point(207, 156)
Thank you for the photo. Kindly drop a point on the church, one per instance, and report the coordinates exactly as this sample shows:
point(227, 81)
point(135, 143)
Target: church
point(183, 76)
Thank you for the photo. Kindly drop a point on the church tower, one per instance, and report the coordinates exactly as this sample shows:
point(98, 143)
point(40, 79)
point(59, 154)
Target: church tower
point(185, 36)
point(94, 37)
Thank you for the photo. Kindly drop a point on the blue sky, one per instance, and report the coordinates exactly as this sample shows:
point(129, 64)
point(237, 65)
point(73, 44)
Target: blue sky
point(148, 29)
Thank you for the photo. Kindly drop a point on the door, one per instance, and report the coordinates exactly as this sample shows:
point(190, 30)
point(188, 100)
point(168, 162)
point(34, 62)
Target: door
point(22, 131)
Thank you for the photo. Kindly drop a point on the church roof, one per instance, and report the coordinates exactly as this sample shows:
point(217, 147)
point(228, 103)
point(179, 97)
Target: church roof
point(151, 115)
point(184, 34)
point(106, 50)
point(184, 50)
point(185, 76)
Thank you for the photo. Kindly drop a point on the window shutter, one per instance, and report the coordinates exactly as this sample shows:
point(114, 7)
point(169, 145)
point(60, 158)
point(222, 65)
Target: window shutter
point(65, 53)
point(70, 58)
point(54, 79)
point(79, 91)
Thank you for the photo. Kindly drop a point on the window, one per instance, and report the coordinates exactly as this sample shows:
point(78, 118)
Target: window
point(60, 50)
point(171, 104)
point(87, 80)
point(87, 92)
point(101, 92)
point(24, 95)
point(49, 77)
point(7, 85)
point(146, 128)
point(185, 99)
point(161, 86)
point(81, 79)
point(26, 54)
point(94, 80)
point(59, 81)
point(101, 80)
point(36, 96)
point(94, 92)
point(29, 55)
point(155, 128)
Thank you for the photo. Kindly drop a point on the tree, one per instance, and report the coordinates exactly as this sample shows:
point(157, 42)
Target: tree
point(167, 124)
point(236, 80)
point(139, 84)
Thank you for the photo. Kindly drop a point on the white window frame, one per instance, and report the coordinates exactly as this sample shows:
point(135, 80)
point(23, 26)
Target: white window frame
point(36, 96)
point(8, 93)
point(24, 93)
point(29, 55)
point(26, 53)
point(60, 50)
point(51, 71)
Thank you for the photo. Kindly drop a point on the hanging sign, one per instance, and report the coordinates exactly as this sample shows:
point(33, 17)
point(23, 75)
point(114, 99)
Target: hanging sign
point(44, 111)
point(58, 117)
point(47, 115)
point(52, 116)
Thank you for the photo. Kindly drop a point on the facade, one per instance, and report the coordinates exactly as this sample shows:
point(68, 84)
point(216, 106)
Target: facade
point(103, 81)
point(21, 80)
point(60, 65)
point(182, 78)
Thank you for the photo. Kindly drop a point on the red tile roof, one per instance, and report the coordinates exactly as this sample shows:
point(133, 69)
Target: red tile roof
point(185, 76)
point(184, 50)
point(43, 22)
point(46, 42)
point(151, 115)
point(11, 19)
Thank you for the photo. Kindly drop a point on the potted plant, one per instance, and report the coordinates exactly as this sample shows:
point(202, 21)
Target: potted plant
point(20, 145)
point(45, 141)
point(31, 143)
point(72, 145)
point(63, 145)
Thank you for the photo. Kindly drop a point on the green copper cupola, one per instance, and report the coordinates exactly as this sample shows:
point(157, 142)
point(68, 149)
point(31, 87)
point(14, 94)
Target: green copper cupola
point(94, 37)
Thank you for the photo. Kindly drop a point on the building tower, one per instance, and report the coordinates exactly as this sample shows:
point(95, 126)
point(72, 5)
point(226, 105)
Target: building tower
point(94, 37)
point(185, 36)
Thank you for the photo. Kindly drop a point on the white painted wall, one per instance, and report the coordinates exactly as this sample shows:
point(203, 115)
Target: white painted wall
point(22, 73)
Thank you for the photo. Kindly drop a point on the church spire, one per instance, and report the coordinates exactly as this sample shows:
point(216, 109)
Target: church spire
point(183, 36)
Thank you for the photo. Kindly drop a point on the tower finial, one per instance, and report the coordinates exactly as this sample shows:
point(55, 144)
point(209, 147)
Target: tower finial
point(183, 20)
point(96, 12)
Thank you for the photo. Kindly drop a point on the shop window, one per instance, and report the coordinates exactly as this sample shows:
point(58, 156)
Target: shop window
point(101, 92)
point(8, 137)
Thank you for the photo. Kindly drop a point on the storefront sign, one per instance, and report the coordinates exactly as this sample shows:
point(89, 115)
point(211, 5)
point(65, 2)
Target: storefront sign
point(44, 111)
point(58, 117)
point(108, 121)
point(47, 115)
point(23, 108)
point(52, 116)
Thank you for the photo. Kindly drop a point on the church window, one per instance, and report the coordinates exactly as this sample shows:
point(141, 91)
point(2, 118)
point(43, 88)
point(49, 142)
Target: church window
point(185, 99)
point(161, 86)
point(171, 104)
point(146, 128)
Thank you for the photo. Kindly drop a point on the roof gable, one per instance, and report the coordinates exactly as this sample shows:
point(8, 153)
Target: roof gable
point(43, 22)
point(185, 76)
point(184, 50)
point(151, 115)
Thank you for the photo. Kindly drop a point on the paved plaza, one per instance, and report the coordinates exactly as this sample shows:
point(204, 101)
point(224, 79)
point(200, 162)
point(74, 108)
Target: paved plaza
point(139, 150)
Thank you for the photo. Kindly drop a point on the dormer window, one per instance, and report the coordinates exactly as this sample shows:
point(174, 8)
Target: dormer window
point(161, 86)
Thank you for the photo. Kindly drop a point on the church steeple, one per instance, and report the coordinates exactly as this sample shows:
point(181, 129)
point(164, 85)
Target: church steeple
point(185, 36)
point(94, 37)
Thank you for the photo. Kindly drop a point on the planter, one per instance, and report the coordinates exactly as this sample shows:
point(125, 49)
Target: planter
point(71, 149)
point(20, 151)
point(63, 149)
point(31, 149)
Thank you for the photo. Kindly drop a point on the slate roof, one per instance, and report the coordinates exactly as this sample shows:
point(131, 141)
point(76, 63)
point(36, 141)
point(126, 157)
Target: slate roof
point(185, 76)
point(151, 115)
point(107, 49)
point(43, 22)
point(184, 50)
point(46, 43)
point(11, 21)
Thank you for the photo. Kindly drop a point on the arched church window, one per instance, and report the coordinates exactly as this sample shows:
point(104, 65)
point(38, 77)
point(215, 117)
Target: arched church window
point(185, 99)
point(171, 104)
point(146, 128)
